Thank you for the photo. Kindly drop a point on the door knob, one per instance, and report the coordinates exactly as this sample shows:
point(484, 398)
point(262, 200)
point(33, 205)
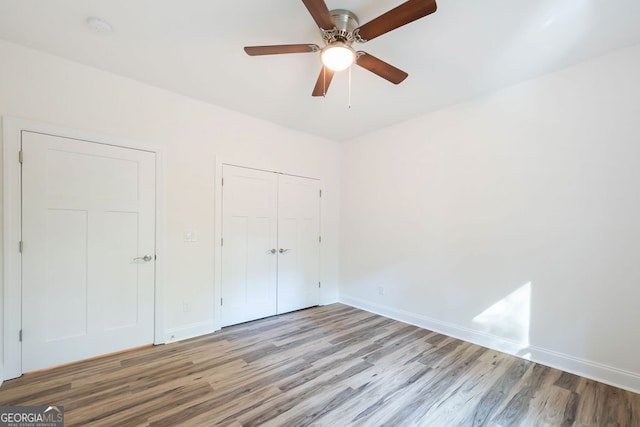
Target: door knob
point(283, 250)
point(145, 258)
point(273, 251)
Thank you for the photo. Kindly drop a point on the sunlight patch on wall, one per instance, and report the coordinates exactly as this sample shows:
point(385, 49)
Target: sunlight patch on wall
point(508, 318)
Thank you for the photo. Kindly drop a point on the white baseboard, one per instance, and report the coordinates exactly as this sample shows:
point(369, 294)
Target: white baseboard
point(575, 365)
point(188, 331)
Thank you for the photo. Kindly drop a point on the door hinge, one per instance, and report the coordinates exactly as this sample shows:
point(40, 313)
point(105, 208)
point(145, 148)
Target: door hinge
point(320, 193)
point(20, 156)
point(319, 285)
point(20, 246)
point(319, 239)
point(20, 335)
point(220, 301)
point(222, 241)
point(222, 181)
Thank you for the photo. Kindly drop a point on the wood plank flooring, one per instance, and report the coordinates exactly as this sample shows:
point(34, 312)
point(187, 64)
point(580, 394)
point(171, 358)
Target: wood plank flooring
point(326, 366)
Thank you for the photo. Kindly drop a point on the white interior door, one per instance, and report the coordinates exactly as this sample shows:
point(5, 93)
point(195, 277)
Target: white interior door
point(249, 233)
point(88, 212)
point(298, 243)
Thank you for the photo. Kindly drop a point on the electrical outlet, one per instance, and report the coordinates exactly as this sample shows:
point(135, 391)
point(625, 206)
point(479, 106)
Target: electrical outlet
point(380, 290)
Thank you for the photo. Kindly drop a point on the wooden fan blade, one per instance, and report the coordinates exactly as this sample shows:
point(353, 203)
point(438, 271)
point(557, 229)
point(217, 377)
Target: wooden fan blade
point(323, 82)
point(320, 13)
point(381, 68)
point(281, 48)
point(405, 13)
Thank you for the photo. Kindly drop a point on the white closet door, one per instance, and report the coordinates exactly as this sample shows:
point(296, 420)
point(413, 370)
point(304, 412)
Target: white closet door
point(298, 243)
point(249, 232)
point(88, 211)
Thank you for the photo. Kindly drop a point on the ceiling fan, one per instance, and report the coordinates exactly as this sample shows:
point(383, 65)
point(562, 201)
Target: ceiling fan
point(339, 29)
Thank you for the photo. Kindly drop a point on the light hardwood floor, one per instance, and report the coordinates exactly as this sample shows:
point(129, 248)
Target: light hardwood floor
point(326, 366)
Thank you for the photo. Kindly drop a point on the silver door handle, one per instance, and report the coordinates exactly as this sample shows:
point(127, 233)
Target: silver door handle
point(145, 258)
point(273, 251)
point(283, 250)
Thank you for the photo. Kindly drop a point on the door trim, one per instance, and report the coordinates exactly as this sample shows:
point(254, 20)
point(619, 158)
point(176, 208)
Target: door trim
point(12, 225)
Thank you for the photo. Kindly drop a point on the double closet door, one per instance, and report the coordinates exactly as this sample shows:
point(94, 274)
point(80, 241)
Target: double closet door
point(270, 244)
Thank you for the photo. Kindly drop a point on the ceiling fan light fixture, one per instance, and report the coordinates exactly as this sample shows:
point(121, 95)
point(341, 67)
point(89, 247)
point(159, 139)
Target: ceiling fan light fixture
point(338, 56)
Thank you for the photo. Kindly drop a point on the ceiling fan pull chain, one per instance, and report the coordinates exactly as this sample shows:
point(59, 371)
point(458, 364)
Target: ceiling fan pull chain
point(324, 81)
point(350, 86)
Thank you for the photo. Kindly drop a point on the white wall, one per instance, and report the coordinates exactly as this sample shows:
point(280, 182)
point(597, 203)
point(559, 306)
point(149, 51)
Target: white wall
point(529, 198)
point(193, 135)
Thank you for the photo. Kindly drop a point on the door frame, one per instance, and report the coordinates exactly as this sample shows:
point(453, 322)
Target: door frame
point(12, 129)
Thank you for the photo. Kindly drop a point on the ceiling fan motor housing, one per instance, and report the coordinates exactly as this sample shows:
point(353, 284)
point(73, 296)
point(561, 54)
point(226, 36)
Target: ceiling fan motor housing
point(345, 23)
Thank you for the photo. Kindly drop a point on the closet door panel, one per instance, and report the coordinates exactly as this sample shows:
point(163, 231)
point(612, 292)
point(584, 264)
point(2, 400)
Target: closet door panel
point(249, 233)
point(298, 243)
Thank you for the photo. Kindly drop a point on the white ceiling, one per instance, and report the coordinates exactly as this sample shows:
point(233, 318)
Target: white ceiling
point(194, 47)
